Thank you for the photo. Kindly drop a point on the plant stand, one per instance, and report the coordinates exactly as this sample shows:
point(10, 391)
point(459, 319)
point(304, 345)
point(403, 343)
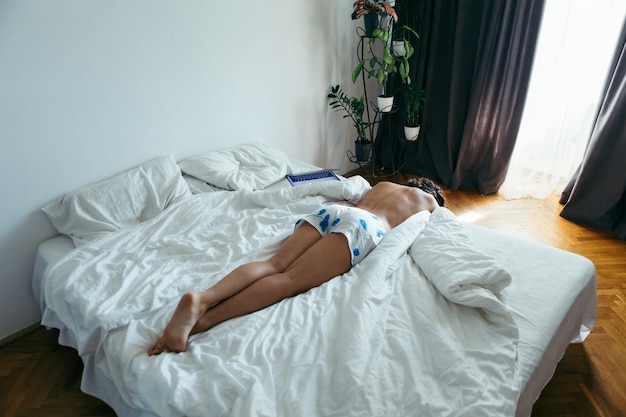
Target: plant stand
point(379, 119)
point(368, 166)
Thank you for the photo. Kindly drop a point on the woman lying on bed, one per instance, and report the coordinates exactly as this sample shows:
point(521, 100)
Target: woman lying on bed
point(323, 245)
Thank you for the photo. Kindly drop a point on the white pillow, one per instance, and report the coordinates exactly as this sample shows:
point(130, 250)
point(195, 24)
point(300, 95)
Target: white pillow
point(250, 166)
point(197, 186)
point(126, 199)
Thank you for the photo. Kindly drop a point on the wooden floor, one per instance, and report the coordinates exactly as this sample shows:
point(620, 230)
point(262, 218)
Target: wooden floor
point(40, 378)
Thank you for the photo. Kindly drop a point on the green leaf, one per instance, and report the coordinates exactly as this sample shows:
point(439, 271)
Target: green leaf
point(381, 77)
point(403, 70)
point(387, 56)
point(357, 70)
point(377, 33)
point(409, 49)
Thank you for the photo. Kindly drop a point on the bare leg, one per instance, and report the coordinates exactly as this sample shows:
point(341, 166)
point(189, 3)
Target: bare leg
point(326, 259)
point(192, 306)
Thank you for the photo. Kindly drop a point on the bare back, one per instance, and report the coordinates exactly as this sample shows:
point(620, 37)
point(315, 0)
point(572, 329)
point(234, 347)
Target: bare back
point(394, 203)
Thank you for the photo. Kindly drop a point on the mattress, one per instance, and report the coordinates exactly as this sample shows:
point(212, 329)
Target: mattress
point(551, 299)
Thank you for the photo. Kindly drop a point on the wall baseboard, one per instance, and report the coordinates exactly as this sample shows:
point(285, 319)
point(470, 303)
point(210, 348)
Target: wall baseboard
point(20, 333)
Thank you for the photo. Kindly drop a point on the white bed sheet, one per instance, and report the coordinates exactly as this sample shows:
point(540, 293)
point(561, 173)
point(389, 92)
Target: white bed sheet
point(559, 275)
point(552, 299)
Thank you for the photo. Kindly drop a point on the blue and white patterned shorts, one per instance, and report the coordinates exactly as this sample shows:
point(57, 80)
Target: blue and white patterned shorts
point(363, 230)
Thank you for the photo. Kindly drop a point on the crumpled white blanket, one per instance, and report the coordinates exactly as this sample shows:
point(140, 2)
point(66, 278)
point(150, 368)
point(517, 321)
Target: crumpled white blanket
point(463, 274)
point(381, 340)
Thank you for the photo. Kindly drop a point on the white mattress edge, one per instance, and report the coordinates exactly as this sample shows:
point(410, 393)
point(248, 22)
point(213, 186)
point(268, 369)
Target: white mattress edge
point(571, 332)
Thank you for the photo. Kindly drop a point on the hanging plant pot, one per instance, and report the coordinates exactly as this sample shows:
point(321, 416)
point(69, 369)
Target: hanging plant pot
point(397, 48)
point(371, 23)
point(385, 103)
point(362, 151)
point(411, 132)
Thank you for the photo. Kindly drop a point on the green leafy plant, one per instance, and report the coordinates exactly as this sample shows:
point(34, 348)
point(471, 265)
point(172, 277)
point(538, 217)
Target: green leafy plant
point(405, 32)
point(378, 66)
point(403, 35)
point(403, 61)
point(414, 100)
point(410, 24)
point(381, 66)
point(353, 108)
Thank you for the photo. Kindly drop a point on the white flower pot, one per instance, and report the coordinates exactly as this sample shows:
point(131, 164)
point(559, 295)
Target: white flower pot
point(397, 48)
point(411, 133)
point(385, 103)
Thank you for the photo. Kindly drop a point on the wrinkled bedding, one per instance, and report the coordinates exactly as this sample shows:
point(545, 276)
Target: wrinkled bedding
point(392, 337)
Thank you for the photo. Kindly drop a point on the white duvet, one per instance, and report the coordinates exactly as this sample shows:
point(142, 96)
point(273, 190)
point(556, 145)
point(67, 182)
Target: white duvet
point(395, 336)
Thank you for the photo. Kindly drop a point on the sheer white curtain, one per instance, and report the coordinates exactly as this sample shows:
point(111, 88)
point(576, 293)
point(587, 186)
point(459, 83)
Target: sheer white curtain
point(576, 45)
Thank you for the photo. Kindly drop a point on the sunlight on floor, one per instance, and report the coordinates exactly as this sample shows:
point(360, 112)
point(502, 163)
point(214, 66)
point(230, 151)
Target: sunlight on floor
point(470, 217)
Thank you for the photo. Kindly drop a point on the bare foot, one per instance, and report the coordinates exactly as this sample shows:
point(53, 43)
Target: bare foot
point(158, 347)
point(177, 331)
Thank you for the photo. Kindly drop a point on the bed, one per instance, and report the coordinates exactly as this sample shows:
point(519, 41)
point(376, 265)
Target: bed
point(443, 318)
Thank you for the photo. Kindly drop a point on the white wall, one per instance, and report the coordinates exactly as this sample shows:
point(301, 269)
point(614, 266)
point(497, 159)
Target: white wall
point(91, 88)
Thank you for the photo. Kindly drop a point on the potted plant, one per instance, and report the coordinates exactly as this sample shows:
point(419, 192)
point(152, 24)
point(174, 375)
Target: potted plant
point(370, 10)
point(401, 45)
point(353, 108)
point(414, 99)
point(379, 66)
point(406, 33)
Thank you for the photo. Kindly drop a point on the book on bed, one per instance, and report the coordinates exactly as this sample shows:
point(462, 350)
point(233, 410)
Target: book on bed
point(315, 176)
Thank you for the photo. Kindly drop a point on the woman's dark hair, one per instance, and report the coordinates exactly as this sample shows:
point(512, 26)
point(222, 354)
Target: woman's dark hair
point(426, 184)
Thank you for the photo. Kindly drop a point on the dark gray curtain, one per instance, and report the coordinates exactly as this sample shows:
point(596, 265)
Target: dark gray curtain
point(596, 195)
point(474, 60)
